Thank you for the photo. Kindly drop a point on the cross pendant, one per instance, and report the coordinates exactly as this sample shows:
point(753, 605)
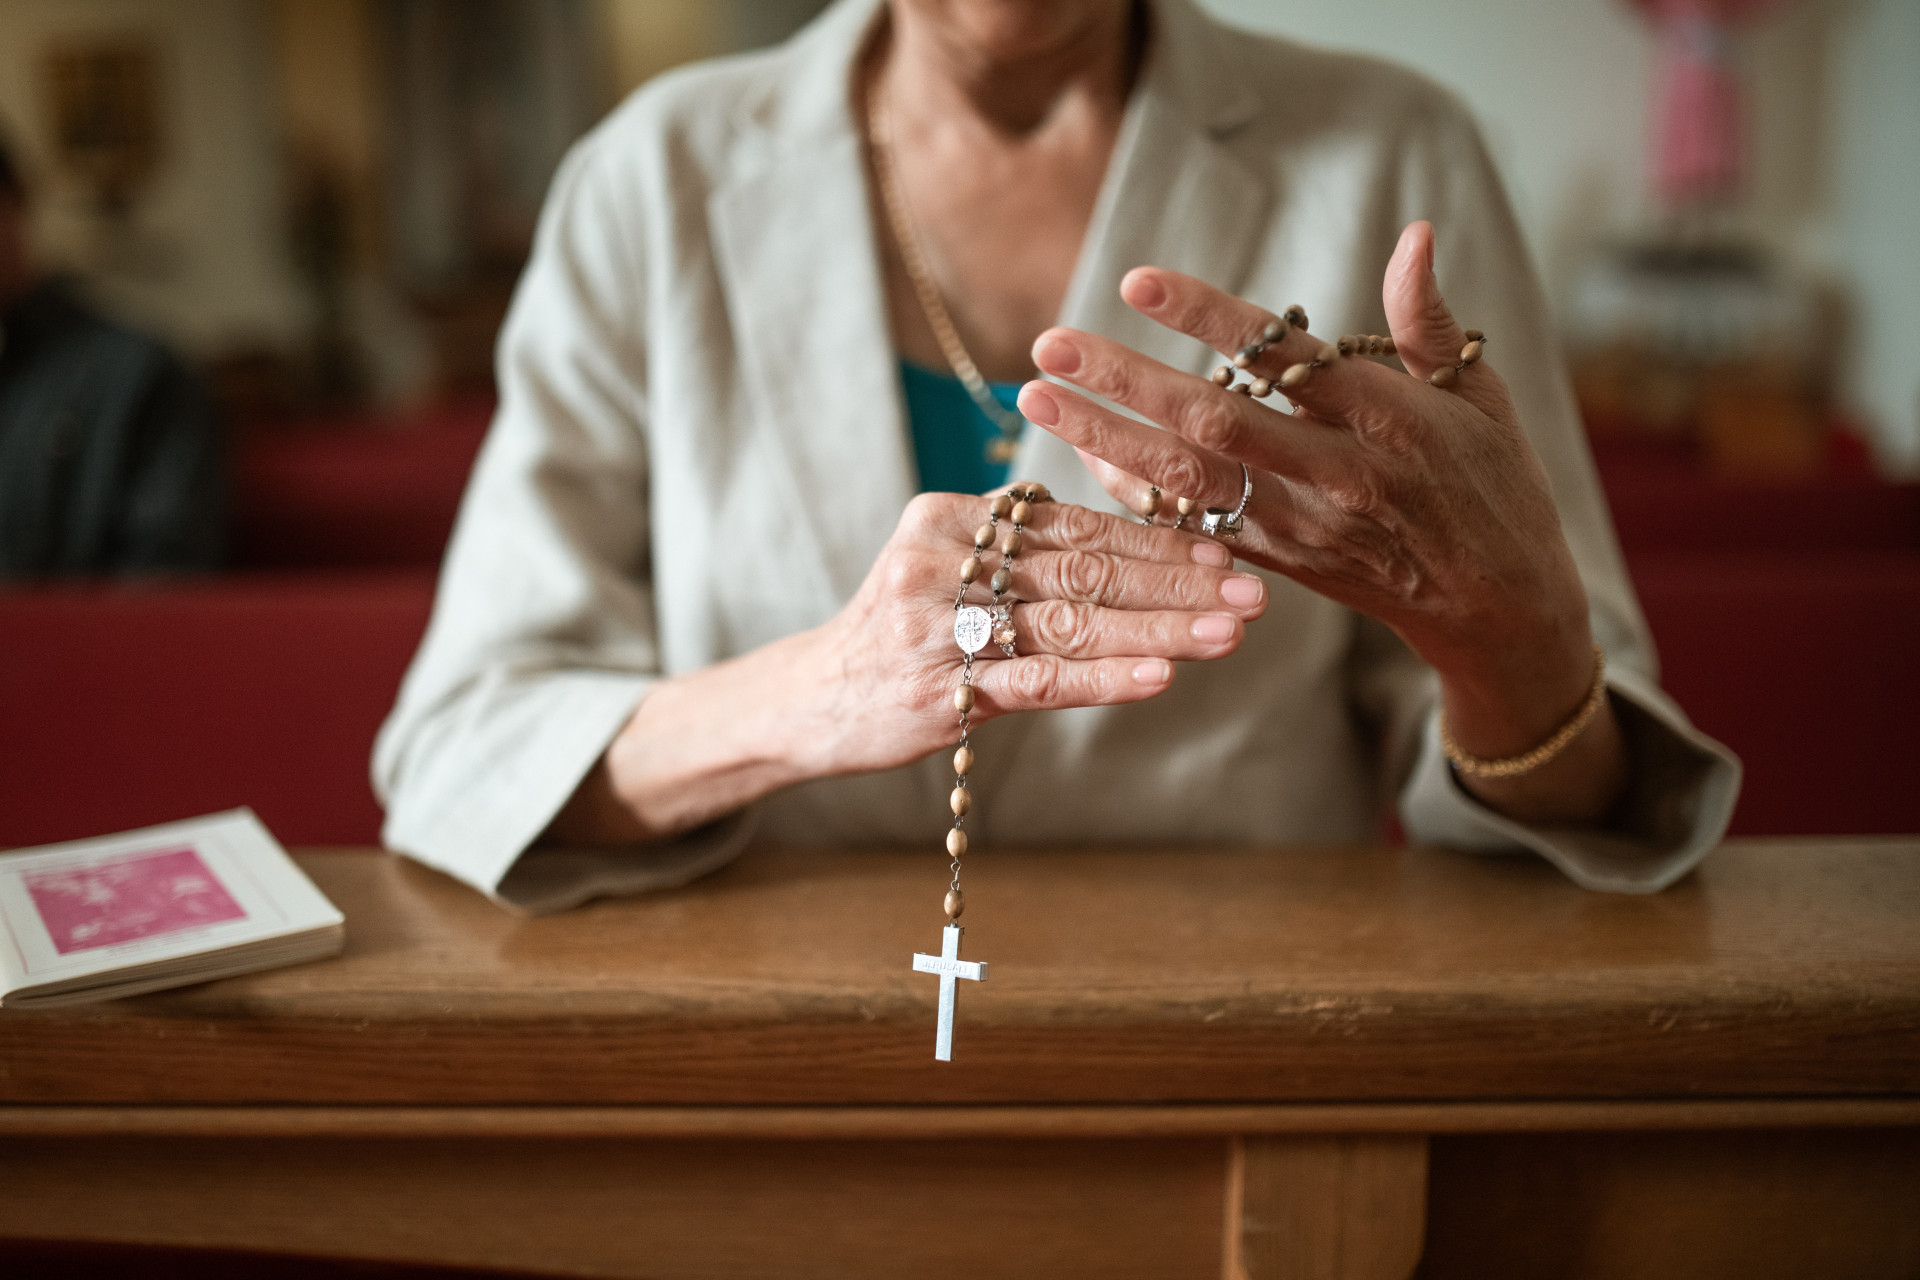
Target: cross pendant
point(949, 966)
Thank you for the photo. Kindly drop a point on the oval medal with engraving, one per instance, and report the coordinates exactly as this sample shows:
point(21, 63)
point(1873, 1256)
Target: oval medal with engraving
point(972, 628)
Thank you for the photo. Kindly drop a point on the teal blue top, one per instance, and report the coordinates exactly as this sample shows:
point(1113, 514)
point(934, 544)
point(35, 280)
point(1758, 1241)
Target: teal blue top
point(950, 434)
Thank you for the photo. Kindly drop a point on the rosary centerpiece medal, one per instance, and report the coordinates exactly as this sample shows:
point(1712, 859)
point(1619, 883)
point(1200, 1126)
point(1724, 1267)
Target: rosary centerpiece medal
point(973, 629)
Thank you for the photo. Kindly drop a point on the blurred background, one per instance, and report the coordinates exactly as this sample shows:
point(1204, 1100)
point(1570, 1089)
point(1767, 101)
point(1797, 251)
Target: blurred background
point(322, 206)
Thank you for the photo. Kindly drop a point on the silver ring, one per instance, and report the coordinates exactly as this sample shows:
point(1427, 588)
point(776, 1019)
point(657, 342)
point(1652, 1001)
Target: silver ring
point(1224, 524)
point(1004, 634)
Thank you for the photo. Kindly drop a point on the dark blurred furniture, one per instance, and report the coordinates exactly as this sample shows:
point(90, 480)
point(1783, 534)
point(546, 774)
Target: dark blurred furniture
point(357, 492)
point(1320, 1062)
point(1787, 617)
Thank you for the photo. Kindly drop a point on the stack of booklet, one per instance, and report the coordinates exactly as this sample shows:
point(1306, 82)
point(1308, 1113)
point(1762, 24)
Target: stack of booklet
point(160, 907)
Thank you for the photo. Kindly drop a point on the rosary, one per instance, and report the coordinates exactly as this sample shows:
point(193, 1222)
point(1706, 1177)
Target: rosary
point(973, 627)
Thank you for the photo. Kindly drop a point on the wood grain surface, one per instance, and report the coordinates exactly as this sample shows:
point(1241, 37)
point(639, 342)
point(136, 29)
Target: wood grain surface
point(645, 1210)
point(1785, 969)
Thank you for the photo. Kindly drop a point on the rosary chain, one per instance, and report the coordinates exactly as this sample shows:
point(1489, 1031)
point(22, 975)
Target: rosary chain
point(1015, 507)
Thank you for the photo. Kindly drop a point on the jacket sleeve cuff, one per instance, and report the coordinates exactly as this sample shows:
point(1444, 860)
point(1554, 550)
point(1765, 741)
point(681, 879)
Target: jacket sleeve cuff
point(1680, 797)
point(541, 739)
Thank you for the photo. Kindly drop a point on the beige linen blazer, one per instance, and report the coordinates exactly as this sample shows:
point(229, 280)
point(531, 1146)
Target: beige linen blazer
point(701, 447)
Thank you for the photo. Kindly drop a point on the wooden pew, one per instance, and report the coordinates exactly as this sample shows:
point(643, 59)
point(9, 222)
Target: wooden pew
point(1342, 1062)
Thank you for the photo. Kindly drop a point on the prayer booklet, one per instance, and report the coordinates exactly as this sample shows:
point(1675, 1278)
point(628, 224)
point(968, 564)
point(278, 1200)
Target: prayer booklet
point(160, 907)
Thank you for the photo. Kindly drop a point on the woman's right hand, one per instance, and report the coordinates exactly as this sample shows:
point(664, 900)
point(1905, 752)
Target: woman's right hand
point(1107, 605)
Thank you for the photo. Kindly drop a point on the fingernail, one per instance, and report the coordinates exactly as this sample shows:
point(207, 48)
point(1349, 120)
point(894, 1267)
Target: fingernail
point(1057, 355)
point(1153, 671)
point(1038, 405)
point(1211, 554)
point(1214, 628)
point(1148, 294)
point(1243, 591)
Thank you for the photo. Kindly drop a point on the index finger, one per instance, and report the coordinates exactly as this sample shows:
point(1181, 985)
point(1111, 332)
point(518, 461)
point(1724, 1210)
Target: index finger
point(1348, 390)
point(1067, 526)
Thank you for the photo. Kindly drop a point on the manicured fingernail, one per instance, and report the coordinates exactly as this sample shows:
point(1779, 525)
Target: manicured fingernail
point(1153, 671)
point(1211, 554)
point(1214, 628)
point(1243, 591)
point(1057, 355)
point(1038, 404)
point(1148, 294)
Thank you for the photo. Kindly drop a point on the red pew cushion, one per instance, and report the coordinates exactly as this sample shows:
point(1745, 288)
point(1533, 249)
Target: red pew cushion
point(129, 705)
point(1808, 666)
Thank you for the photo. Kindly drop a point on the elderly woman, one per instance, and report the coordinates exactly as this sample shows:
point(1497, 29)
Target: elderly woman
point(693, 594)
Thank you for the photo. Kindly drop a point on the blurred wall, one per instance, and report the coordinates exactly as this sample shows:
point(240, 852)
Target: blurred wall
point(257, 90)
point(202, 259)
point(1561, 89)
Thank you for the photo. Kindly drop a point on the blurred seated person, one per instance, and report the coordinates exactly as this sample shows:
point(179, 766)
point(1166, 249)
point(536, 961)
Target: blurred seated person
point(693, 594)
point(110, 460)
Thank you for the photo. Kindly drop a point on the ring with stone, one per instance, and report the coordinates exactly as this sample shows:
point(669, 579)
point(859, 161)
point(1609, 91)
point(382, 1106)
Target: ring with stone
point(1224, 524)
point(1004, 634)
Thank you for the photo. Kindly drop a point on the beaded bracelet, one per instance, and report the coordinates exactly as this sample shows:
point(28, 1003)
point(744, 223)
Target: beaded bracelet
point(973, 627)
point(1527, 762)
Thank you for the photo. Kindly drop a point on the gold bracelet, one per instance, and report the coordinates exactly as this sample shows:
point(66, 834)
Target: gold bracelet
point(1514, 766)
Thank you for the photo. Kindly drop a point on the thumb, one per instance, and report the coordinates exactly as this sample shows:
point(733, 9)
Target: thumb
point(1424, 331)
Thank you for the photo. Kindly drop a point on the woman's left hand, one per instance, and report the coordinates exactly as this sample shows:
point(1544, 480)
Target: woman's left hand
point(1422, 507)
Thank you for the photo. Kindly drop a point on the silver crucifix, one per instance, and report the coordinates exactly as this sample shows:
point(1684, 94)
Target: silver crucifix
point(949, 966)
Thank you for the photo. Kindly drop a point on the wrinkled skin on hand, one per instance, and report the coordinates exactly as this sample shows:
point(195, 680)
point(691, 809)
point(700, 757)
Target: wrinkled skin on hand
point(1422, 507)
point(1107, 606)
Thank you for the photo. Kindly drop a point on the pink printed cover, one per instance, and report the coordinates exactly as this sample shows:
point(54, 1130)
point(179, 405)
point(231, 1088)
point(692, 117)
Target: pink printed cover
point(126, 899)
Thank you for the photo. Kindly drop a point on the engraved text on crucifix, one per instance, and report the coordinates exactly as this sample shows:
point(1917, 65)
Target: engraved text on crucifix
point(949, 966)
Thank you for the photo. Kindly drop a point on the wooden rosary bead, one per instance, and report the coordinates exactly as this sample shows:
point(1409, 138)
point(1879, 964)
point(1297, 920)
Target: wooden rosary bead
point(1022, 512)
point(1001, 505)
point(956, 903)
point(1010, 545)
point(970, 568)
point(1037, 492)
point(983, 537)
point(1242, 388)
point(1185, 506)
point(1347, 346)
point(1470, 354)
point(1274, 331)
point(956, 842)
point(1242, 360)
point(963, 698)
point(1260, 388)
point(1223, 376)
point(1002, 579)
point(1386, 345)
point(1296, 316)
point(963, 763)
point(960, 801)
point(1295, 376)
point(1326, 354)
point(1150, 505)
point(1374, 344)
point(1445, 376)
point(1474, 335)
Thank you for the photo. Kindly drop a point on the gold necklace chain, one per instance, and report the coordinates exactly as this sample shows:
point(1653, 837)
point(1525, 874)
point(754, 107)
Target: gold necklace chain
point(900, 222)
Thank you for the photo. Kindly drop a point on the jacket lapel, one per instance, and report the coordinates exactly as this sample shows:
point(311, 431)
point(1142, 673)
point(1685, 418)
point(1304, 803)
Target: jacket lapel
point(795, 251)
point(794, 237)
point(1174, 196)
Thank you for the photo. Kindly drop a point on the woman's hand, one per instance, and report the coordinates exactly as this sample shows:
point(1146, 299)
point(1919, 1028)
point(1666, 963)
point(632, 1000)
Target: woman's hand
point(1107, 606)
point(1422, 507)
